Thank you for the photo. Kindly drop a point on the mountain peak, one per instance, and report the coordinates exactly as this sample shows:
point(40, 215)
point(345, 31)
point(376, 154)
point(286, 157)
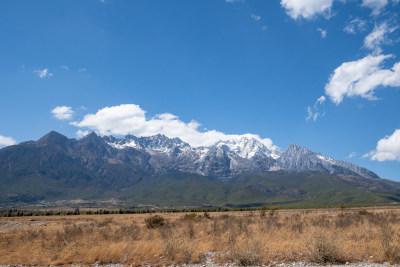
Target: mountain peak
point(92, 137)
point(52, 137)
point(293, 147)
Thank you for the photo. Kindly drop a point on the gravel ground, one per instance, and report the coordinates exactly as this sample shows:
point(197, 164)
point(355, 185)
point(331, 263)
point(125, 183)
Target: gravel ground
point(211, 264)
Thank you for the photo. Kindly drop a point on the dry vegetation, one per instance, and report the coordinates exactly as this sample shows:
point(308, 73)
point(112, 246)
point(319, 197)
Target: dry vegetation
point(243, 238)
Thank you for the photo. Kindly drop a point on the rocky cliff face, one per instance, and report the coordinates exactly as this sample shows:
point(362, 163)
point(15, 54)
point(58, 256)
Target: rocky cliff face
point(297, 159)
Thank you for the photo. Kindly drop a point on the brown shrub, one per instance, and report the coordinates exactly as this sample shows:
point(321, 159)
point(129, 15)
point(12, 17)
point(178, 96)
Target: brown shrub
point(154, 221)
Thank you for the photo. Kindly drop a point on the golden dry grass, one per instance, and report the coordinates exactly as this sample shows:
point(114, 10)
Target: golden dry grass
point(243, 238)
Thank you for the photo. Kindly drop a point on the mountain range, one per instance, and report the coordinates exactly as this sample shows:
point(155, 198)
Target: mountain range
point(162, 170)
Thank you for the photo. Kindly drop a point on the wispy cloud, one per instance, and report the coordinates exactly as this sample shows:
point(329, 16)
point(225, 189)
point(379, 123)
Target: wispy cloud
point(355, 26)
point(63, 113)
point(264, 27)
point(43, 73)
point(64, 67)
point(352, 155)
point(361, 78)
point(131, 119)
point(7, 141)
point(255, 17)
point(388, 148)
point(82, 69)
point(314, 111)
point(323, 32)
point(379, 37)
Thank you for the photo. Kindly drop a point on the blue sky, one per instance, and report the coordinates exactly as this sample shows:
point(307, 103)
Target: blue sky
point(321, 73)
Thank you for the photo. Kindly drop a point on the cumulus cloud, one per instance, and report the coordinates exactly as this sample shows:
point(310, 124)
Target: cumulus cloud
point(131, 119)
point(376, 5)
point(7, 141)
point(255, 17)
point(323, 32)
point(43, 73)
point(314, 112)
point(307, 9)
point(378, 37)
point(361, 78)
point(388, 148)
point(355, 26)
point(63, 113)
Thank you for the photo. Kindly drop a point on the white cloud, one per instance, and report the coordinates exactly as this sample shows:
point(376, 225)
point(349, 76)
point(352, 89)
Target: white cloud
point(355, 26)
point(81, 133)
point(255, 17)
point(321, 99)
point(82, 69)
point(43, 73)
point(264, 27)
point(63, 113)
point(388, 148)
point(131, 119)
point(376, 5)
point(64, 67)
point(361, 78)
point(323, 32)
point(352, 155)
point(378, 37)
point(7, 141)
point(314, 112)
point(307, 9)
point(233, 1)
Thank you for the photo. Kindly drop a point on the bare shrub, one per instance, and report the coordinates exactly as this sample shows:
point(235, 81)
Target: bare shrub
point(297, 227)
point(364, 212)
point(389, 248)
point(207, 215)
point(263, 210)
point(324, 249)
point(105, 222)
point(175, 251)
point(154, 221)
point(193, 217)
point(246, 255)
point(190, 230)
point(347, 220)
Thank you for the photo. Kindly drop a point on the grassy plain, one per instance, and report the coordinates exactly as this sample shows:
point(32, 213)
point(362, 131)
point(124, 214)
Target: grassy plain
point(242, 238)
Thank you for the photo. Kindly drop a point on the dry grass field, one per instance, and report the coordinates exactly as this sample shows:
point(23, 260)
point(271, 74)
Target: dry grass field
point(242, 238)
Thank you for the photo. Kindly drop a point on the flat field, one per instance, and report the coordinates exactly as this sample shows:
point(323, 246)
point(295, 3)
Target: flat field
point(242, 238)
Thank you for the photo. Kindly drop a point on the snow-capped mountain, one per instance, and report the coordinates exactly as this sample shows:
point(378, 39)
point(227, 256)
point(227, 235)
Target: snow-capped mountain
point(297, 158)
point(229, 158)
point(147, 169)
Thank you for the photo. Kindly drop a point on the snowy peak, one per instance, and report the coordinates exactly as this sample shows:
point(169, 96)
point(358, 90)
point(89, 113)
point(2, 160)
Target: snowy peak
point(155, 143)
point(232, 157)
point(161, 142)
point(247, 148)
point(244, 147)
point(295, 149)
point(297, 158)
